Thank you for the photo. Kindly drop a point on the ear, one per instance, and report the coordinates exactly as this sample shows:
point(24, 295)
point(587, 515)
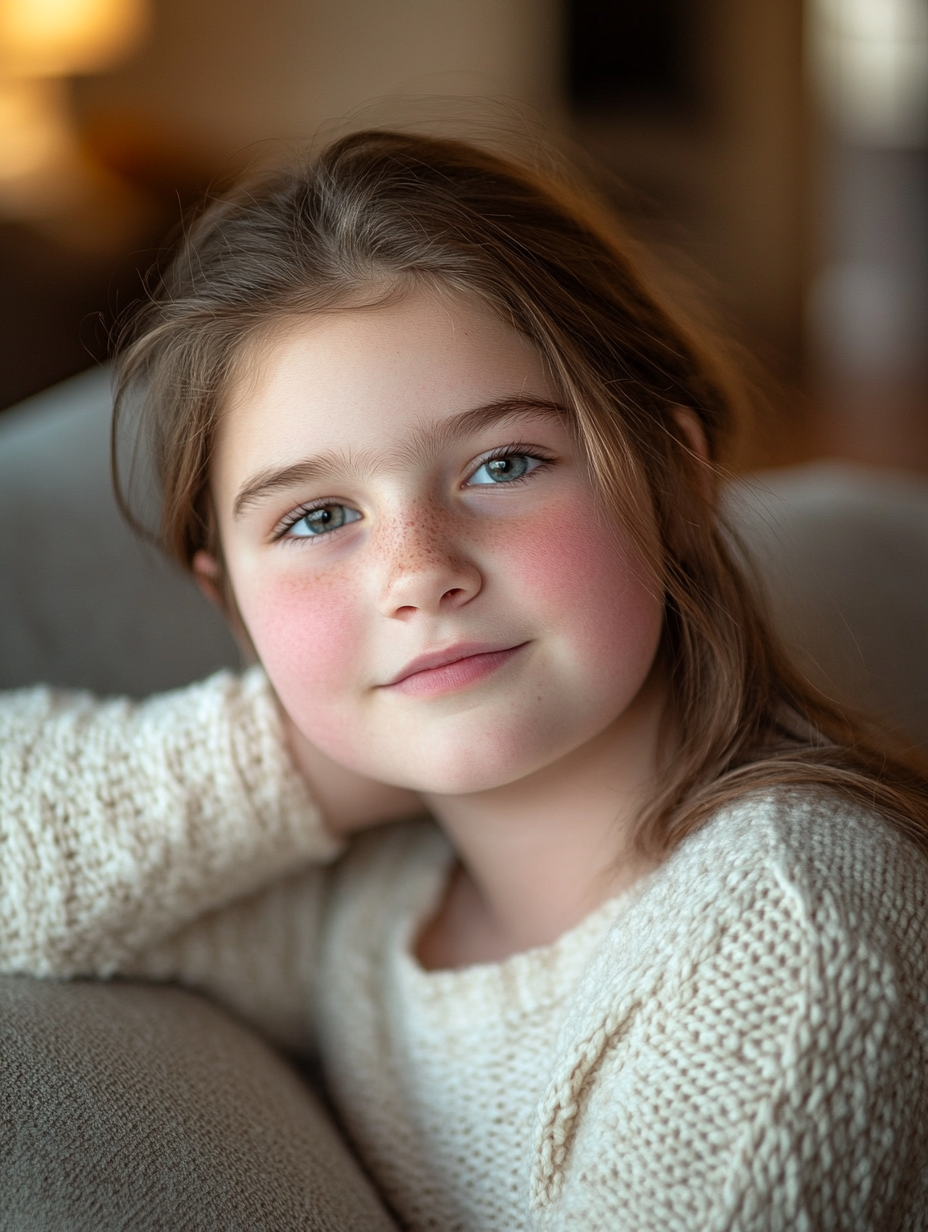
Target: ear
point(698, 446)
point(208, 574)
point(211, 579)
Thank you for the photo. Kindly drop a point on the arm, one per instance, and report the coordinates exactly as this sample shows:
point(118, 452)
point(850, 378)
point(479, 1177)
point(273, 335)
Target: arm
point(121, 822)
point(257, 956)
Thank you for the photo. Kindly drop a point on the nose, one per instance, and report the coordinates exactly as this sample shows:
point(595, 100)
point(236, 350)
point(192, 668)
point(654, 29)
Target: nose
point(425, 569)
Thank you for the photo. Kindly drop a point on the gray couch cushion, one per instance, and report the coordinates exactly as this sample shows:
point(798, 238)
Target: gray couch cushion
point(136, 1109)
point(842, 553)
point(83, 603)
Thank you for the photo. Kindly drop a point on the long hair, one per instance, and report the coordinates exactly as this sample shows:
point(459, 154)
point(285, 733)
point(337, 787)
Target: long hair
point(380, 212)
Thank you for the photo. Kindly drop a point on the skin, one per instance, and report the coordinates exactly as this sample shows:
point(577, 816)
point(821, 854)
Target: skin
point(533, 760)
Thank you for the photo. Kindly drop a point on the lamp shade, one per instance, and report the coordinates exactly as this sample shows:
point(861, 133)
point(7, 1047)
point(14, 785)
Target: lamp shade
point(872, 60)
point(41, 38)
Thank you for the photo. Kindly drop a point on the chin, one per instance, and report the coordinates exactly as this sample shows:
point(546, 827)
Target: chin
point(468, 768)
point(459, 781)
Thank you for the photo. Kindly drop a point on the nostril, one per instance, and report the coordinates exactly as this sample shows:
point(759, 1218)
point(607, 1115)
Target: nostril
point(453, 592)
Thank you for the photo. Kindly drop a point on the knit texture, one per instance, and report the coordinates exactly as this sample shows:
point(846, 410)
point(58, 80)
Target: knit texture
point(739, 1042)
point(122, 820)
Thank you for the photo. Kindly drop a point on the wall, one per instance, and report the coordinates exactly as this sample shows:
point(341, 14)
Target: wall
point(725, 180)
point(224, 73)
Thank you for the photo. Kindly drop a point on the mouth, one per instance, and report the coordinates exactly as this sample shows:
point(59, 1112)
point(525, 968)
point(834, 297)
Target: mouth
point(451, 669)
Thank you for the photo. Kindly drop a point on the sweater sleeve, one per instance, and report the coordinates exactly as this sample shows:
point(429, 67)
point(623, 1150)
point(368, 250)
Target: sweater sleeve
point(772, 1075)
point(121, 822)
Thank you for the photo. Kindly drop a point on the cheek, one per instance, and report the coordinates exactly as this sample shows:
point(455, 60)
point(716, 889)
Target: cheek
point(591, 584)
point(307, 634)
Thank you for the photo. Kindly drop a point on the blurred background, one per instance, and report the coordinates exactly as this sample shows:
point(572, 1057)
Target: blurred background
point(775, 151)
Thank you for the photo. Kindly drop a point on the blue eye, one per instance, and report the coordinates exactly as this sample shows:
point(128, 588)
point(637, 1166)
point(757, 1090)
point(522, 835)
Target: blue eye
point(505, 469)
point(321, 520)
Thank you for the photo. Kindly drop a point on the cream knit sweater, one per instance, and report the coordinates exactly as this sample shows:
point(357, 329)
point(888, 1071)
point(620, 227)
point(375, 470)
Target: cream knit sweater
point(741, 1042)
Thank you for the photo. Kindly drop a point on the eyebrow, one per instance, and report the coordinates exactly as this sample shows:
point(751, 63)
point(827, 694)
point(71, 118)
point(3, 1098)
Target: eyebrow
point(426, 442)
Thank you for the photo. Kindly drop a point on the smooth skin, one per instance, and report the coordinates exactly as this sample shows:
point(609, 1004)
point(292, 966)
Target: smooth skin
point(396, 482)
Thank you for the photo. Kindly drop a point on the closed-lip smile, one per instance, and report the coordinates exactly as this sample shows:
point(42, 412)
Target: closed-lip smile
point(440, 671)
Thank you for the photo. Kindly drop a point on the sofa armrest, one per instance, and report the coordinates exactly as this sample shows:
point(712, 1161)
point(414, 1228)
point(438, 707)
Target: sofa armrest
point(134, 1108)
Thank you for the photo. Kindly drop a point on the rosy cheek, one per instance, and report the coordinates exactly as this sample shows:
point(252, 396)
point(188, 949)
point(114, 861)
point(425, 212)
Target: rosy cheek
point(590, 581)
point(307, 633)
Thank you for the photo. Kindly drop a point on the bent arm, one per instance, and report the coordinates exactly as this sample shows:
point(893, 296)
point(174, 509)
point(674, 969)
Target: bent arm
point(122, 822)
point(257, 956)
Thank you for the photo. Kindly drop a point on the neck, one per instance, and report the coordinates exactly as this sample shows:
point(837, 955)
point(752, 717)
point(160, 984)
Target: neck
point(538, 855)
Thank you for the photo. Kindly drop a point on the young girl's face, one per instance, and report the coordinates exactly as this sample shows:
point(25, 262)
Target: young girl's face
point(418, 553)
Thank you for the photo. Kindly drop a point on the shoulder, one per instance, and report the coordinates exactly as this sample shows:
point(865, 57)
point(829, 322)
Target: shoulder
point(754, 1006)
point(782, 891)
point(787, 873)
point(811, 862)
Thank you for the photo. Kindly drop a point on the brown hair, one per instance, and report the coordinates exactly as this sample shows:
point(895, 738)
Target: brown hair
point(381, 209)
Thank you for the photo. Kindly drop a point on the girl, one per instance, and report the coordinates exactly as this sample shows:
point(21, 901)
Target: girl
point(657, 959)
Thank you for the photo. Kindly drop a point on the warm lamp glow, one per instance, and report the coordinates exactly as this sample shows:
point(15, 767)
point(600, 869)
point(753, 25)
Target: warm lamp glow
point(46, 178)
point(872, 59)
point(33, 131)
point(40, 38)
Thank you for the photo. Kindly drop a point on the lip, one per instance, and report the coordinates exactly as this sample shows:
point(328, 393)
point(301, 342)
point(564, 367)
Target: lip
point(443, 671)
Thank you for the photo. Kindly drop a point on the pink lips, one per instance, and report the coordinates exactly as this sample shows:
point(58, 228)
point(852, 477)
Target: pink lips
point(454, 668)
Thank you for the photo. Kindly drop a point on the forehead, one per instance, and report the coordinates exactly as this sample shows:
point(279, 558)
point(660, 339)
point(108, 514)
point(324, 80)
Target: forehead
point(371, 378)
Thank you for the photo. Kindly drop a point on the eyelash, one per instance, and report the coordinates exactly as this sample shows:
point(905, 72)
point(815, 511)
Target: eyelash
point(504, 451)
point(516, 450)
point(291, 519)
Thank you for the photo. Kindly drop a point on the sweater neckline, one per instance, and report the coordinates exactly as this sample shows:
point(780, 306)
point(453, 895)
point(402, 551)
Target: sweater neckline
point(429, 887)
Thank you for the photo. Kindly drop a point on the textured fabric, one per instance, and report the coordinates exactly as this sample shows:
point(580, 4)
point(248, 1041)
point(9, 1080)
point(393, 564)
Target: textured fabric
point(744, 1046)
point(740, 1042)
point(129, 1109)
point(122, 820)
